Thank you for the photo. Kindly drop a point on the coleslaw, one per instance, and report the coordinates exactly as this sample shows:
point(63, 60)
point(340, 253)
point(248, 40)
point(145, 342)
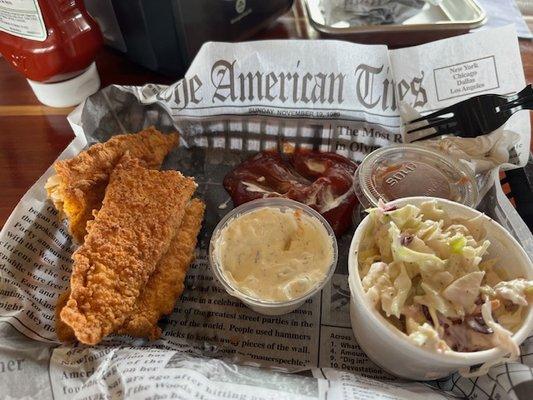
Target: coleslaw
point(431, 276)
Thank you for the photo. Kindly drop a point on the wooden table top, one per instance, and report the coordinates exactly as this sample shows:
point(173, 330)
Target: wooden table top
point(33, 135)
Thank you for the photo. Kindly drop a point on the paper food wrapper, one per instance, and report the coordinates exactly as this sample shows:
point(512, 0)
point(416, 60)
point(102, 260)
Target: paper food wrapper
point(237, 99)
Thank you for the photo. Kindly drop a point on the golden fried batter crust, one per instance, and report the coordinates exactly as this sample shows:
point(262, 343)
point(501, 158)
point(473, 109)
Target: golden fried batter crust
point(79, 185)
point(166, 283)
point(63, 331)
point(140, 214)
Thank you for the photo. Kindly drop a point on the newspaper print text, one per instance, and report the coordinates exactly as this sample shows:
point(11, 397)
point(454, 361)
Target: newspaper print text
point(370, 86)
point(313, 88)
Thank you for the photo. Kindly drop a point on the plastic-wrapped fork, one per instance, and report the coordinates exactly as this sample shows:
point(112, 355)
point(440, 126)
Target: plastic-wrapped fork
point(473, 117)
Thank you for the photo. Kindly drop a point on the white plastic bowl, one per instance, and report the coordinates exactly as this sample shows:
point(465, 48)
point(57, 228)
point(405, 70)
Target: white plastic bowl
point(389, 347)
point(258, 305)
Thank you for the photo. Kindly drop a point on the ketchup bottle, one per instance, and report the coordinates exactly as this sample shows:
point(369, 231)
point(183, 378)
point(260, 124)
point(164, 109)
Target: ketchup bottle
point(53, 43)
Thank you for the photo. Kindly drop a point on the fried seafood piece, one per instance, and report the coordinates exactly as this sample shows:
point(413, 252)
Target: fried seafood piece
point(167, 282)
point(78, 187)
point(164, 286)
point(63, 331)
point(140, 214)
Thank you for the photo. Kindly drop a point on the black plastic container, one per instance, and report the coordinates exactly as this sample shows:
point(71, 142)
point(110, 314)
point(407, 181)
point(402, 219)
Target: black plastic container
point(165, 35)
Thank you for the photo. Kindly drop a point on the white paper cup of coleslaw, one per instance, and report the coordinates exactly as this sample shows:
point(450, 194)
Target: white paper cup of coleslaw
point(390, 348)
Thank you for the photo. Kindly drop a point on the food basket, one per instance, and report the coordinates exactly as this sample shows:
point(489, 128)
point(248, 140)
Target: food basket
point(212, 344)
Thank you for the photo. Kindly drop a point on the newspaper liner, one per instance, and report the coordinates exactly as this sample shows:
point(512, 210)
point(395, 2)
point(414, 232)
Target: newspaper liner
point(212, 344)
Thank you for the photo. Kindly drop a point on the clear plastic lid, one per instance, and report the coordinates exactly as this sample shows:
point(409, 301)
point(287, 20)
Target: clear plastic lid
point(396, 172)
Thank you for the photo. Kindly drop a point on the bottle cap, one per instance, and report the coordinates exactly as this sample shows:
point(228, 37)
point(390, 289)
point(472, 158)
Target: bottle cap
point(70, 92)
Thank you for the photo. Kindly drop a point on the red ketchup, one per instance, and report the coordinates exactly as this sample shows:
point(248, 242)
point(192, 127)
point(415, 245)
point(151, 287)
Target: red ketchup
point(323, 181)
point(53, 43)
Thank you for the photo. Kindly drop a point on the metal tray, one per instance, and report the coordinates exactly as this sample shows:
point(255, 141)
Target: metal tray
point(450, 18)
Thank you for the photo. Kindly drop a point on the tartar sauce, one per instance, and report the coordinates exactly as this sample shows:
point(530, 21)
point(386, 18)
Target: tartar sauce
point(274, 255)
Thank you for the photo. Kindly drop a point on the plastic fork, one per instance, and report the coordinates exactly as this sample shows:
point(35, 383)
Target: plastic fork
point(473, 117)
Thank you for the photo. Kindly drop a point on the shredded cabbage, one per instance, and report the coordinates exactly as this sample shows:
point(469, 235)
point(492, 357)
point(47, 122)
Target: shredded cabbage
point(429, 274)
point(427, 336)
point(516, 291)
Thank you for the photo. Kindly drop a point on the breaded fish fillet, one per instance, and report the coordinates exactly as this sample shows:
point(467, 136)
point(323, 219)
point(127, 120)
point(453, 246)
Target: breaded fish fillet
point(79, 184)
point(164, 286)
point(166, 283)
point(140, 214)
point(63, 331)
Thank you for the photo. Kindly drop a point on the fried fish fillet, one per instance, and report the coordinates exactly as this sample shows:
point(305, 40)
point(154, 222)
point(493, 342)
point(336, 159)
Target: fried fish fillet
point(167, 282)
point(79, 184)
point(164, 286)
point(140, 214)
point(63, 331)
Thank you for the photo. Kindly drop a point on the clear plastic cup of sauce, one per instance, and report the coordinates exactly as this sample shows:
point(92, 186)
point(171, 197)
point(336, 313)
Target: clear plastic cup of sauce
point(273, 254)
point(396, 172)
